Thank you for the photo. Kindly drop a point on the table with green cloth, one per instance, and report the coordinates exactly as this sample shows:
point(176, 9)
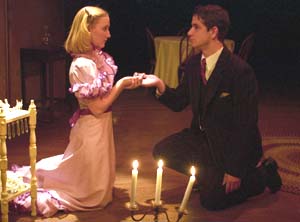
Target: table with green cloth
point(167, 57)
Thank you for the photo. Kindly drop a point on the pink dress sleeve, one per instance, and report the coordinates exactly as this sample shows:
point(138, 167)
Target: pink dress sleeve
point(89, 78)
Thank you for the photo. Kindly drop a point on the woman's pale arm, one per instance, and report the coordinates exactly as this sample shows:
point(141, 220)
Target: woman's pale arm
point(100, 105)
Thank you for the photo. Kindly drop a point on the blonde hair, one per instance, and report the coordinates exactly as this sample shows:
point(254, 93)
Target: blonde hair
point(79, 39)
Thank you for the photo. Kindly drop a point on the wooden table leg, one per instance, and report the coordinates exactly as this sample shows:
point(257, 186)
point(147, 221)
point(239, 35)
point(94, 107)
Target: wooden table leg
point(32, 156)
point(3, 166)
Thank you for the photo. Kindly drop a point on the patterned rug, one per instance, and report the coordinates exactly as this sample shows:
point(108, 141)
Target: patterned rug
point(286, 151)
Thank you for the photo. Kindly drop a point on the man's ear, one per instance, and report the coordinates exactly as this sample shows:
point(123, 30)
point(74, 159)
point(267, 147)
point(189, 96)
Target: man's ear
point(214, 32)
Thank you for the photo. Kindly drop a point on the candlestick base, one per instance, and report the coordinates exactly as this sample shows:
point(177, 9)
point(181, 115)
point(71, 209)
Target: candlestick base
point(184, 212)
point(180, 213)
point(131, 207)
point(154, 204)
point(152, 209)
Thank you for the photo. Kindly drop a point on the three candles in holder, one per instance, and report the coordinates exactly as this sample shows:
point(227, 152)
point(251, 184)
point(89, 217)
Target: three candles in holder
point(158, 187)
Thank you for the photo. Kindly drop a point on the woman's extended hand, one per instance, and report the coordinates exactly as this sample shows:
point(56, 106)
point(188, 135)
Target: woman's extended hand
point(132, 82)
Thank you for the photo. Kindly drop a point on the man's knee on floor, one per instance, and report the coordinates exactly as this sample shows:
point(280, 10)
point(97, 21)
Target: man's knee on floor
point(211, 204)
point(217, 199)
point(213, 201)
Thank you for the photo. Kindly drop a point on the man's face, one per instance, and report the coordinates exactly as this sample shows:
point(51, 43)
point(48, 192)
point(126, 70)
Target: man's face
point(199, 35)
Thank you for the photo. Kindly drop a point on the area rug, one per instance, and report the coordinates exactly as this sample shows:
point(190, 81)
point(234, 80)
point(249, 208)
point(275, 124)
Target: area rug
point(286, 151)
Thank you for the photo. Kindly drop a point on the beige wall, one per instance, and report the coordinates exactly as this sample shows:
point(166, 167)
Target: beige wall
point(26, 22)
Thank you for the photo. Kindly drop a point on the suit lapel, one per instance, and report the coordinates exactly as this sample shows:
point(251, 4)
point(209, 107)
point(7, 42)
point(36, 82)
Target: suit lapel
point(216, 78)
point(195, 80)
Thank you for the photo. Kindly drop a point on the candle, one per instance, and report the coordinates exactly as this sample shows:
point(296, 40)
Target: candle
point(188, 190)
point(159, 172)
point(134, 176)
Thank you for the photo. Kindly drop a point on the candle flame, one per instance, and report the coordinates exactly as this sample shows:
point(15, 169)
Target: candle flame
point(193, 171)
point(160, 163)
point(135, 164)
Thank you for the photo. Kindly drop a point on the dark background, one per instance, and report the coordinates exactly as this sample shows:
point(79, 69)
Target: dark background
point(276, 23)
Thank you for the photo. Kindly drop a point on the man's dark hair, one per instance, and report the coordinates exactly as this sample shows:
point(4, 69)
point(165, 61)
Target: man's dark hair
point(214, 15)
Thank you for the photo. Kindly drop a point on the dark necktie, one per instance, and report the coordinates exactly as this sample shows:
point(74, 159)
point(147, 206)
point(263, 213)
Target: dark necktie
point(203, 69)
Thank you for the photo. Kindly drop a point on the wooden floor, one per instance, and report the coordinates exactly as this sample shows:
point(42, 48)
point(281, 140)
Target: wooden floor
point(140, 122)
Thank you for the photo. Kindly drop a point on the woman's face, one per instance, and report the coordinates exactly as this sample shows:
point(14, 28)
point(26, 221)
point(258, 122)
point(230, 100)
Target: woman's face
point(100, 31)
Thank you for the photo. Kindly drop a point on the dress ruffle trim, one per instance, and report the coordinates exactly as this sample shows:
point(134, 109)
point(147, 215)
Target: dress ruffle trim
point(47, 203)
point(99, 87)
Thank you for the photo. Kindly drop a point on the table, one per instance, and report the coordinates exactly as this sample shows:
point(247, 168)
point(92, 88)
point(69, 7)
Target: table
point(45, 57)
point(167, 57)
point(13, 123)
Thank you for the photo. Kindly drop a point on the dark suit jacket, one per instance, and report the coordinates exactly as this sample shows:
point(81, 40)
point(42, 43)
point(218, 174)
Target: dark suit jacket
point(230, 110)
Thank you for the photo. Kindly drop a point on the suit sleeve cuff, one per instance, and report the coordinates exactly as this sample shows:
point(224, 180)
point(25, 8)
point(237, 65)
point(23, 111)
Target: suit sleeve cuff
point(157, 93)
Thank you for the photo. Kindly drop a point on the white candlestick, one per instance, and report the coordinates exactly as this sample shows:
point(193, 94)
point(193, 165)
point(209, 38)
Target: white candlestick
point(159, 172)
point(188, 190)
point(134, 176)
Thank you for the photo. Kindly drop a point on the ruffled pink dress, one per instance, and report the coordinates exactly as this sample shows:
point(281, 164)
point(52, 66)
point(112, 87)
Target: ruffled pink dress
point(83, 177)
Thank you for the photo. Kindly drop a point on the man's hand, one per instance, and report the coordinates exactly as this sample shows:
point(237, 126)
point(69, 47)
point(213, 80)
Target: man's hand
point(150, 81)
point(153, 81)
point(232, 183)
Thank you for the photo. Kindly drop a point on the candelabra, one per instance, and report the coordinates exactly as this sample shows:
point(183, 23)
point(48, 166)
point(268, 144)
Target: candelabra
point(150, 208)
point(155, 207)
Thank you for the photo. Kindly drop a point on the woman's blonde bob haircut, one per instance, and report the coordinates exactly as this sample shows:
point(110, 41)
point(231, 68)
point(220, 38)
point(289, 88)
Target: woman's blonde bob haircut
point(79, 39)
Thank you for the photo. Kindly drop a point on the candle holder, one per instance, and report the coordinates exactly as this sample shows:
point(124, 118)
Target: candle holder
point(152, 209)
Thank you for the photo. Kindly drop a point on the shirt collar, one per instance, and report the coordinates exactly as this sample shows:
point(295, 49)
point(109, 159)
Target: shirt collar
point(212, 60)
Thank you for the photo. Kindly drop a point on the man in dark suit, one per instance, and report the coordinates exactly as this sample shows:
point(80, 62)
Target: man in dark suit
point(223, 140)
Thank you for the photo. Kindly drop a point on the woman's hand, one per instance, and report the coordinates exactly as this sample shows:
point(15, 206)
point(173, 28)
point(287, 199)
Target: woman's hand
point(101, 104)
point(132, 82)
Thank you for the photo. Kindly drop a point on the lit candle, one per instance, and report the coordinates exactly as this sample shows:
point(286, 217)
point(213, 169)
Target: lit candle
point(188, 190)
point(157, 201)
point(134, 174)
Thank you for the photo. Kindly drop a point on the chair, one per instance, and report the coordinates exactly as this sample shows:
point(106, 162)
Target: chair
point(185, 52)
point(183, 31)
point(246, 47)
point(151, 50)
point(16, 121)
point(230, 44)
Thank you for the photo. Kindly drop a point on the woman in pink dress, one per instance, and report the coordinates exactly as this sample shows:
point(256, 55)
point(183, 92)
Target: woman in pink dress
point(83, 177)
